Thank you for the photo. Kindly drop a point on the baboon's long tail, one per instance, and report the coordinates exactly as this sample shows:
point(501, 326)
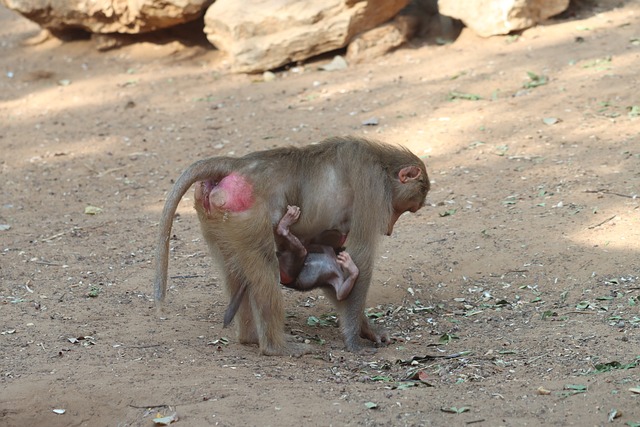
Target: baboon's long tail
point(211, 168)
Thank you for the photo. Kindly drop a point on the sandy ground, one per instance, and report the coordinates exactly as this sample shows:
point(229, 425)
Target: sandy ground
point(515, 289)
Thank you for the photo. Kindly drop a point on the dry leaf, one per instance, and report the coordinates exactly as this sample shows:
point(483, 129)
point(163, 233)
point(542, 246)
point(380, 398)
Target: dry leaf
point(543, 391)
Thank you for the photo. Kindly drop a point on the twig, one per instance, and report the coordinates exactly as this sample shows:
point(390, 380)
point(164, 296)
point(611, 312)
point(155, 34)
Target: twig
point(47, 263)
point(600, 223)
point(46, 239)
point(436, 241)
point(90, 168)
point(507, 272)
point(149, 406)
point(432, 357)
point(535, 358)
point(456, 355)
point(581, 312)
point(142, 346)
point(103, 173)
point(613, 193)
point(481, 420)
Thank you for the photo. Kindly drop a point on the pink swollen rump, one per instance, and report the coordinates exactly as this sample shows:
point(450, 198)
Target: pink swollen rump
point(239, 193)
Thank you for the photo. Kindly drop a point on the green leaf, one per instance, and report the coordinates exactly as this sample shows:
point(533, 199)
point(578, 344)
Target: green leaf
point(375, 314)
point(455, 76)
point(405, 385)
point(599, 64)
point(583, 305)
point(465, 96)
point(371, 405)
point(448, 213)
point(510, 200)
point(512, 38)
point(381, 378)
point(92, 210)
point(548, 313)
point(615, 365)
point(535, 80)
point(165, 421)
point(313, 321)
point(324, 320)
point(575, 387)
point(472, 313)
point(501, 150)
point(447, 338)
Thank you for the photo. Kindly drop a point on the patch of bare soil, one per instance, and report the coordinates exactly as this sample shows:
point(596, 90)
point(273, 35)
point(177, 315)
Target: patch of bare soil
point(512, 298)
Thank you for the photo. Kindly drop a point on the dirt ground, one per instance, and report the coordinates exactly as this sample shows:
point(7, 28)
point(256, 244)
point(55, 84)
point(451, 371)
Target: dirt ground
point(512, 297)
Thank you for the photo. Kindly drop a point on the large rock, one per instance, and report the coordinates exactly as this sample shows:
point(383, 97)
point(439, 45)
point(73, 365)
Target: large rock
point(493, 17)
point(108, 16)
point(264, 34)
point(382, 39)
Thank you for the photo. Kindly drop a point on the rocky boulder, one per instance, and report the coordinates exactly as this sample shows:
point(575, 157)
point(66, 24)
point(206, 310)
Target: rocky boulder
point(493, 17)
point(108, 16)
point(382, 39)
point(264, 34)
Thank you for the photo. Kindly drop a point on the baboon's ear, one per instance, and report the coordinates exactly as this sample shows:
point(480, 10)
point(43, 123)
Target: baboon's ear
point(409, 173)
